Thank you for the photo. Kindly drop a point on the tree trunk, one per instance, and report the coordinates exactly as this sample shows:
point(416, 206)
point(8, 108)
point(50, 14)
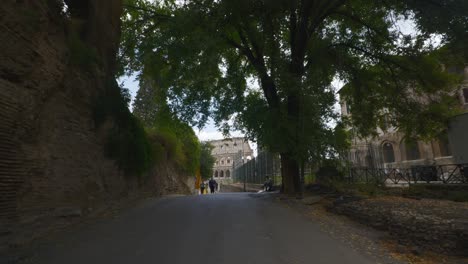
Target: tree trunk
point(290, 175)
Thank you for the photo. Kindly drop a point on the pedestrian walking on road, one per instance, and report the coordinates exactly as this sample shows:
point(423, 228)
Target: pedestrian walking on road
point(268, 185)
point(202, 187)
point(212, 184)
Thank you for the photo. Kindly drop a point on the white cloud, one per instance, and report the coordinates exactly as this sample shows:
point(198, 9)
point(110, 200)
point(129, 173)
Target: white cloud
point(204, 135)
point(131, 83)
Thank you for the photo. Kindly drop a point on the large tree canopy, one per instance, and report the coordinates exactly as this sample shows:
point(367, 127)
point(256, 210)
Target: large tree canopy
point(203, 52)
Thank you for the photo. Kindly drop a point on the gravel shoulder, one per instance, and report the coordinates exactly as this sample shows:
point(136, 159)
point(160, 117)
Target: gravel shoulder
point(362, 224)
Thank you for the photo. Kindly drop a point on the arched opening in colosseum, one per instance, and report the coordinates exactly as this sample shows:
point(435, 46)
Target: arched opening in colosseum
point(221, 174)
point(216, 174)
point(444, 146)
point(411, 149)
point(228, 174)
point(388, 152)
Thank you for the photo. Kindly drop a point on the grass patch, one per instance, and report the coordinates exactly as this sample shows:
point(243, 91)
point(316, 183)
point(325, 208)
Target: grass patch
point(457, 193)
point(333, 178)
point(357, 189)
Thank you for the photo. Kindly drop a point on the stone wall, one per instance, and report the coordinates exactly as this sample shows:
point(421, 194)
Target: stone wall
point(51, 153)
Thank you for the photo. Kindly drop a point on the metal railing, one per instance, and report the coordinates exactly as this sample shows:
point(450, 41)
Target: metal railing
point(257, 169)
point(436, 174)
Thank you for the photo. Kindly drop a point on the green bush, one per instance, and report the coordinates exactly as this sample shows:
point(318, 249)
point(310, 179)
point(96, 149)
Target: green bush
point(172, 144)
point(127, 142)
point(309, 178)
point(129, 146)
point(135, 146)
point(328, 174)
point(191, 150)
point(206, 160)
point(158, 151)
point(333, 178)
point(175, 141)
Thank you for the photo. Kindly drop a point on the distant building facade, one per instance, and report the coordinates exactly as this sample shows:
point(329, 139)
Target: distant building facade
point(228, 154)
point(390, 149)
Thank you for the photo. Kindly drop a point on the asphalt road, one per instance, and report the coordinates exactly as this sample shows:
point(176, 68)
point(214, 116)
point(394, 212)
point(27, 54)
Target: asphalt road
point(222, 228)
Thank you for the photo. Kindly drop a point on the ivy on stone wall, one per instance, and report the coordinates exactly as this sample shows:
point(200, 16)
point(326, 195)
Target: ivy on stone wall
point(82, 55)
point(127, 141)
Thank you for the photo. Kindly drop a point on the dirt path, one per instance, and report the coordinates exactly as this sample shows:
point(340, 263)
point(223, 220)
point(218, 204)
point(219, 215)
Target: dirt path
point(363, 237)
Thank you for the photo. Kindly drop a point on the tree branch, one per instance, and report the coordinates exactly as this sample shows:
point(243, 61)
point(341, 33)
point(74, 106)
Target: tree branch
point(268, 86)
point(153, 12)
point(384, 59)
point(363, 23)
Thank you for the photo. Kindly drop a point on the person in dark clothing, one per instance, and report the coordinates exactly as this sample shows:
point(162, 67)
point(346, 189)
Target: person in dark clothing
point(212, 184)
point(202, 187)
point(268, 185)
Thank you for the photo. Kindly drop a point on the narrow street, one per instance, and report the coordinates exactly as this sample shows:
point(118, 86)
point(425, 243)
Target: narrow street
point(221, 228)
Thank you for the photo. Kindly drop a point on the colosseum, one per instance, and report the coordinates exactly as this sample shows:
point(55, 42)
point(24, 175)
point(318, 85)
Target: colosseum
point(228, 155)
